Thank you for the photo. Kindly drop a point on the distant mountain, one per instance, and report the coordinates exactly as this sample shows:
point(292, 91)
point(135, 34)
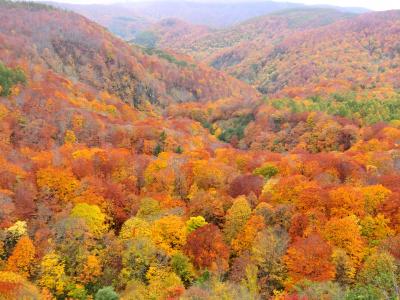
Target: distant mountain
point(171, 33)
point(257, 33)
point(122, 16)
point(128, 19)
point(121, 21)
point(210, 14)
point(354, 10)
point(304, 51)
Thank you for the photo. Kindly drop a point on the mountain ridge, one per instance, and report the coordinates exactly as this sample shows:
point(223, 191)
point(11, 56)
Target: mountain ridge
point(251, 52)
point(129, 19)
point(89, 53)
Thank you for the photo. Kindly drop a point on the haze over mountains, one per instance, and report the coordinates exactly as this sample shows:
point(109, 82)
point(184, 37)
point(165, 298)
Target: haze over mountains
point(263, 50)
point(126, 19)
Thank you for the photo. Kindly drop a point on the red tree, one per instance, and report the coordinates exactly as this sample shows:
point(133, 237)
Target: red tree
point(207, 249)
point(309, 258)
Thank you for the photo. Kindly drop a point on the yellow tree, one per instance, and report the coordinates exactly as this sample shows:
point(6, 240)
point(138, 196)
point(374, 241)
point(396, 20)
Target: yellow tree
point(135, 227)
point(345, 233)
point(59, 182)
point(195, 222)
point(158, 176)
point(244, 240)
point(52, 274)
point(346, 200)
point(163, 283)
point(287, 189)
point(207, 174)
point(91, 269)
point(236, 217)
point(375, 229)
point(70, 137)
point(169, 233)
point(374, 195)
point(14, 286)
point(94, 218)
point(345, 269)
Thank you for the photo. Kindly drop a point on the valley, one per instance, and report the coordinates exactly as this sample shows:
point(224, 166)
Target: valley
point(251, 153)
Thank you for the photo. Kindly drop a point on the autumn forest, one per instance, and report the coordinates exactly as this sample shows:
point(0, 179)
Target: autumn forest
point(154, 158)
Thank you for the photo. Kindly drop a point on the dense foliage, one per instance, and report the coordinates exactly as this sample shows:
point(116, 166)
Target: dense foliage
point(303, 52)
point(220, 196)
point(366, 110)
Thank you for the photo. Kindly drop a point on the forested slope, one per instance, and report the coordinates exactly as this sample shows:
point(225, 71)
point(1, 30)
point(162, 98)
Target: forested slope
point(83, 51)
point(306, 52)
point(134, 173)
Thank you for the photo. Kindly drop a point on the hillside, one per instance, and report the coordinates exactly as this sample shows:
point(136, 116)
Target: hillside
point(305, 52)
point(127, 20)
point(129, 172)
point(356, 54)
point(257, 34)
point(170, 33)
point(120, 16)
point(122, 21)
point(88, 53)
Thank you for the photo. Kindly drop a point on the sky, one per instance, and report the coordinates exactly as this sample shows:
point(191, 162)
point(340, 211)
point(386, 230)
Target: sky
point(370, 4)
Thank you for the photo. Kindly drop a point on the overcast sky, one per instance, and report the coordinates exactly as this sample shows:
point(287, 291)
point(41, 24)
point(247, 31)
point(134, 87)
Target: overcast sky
point(371, 4)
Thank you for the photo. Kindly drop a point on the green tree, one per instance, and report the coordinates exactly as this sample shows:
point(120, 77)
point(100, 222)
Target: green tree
point(195, 222)
point(183, 268)
point(364, 292)
point(267, 171)
point(319, 290)
point(380, 272)
point(106, 293)
point(9, 78)
point(137, 256)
